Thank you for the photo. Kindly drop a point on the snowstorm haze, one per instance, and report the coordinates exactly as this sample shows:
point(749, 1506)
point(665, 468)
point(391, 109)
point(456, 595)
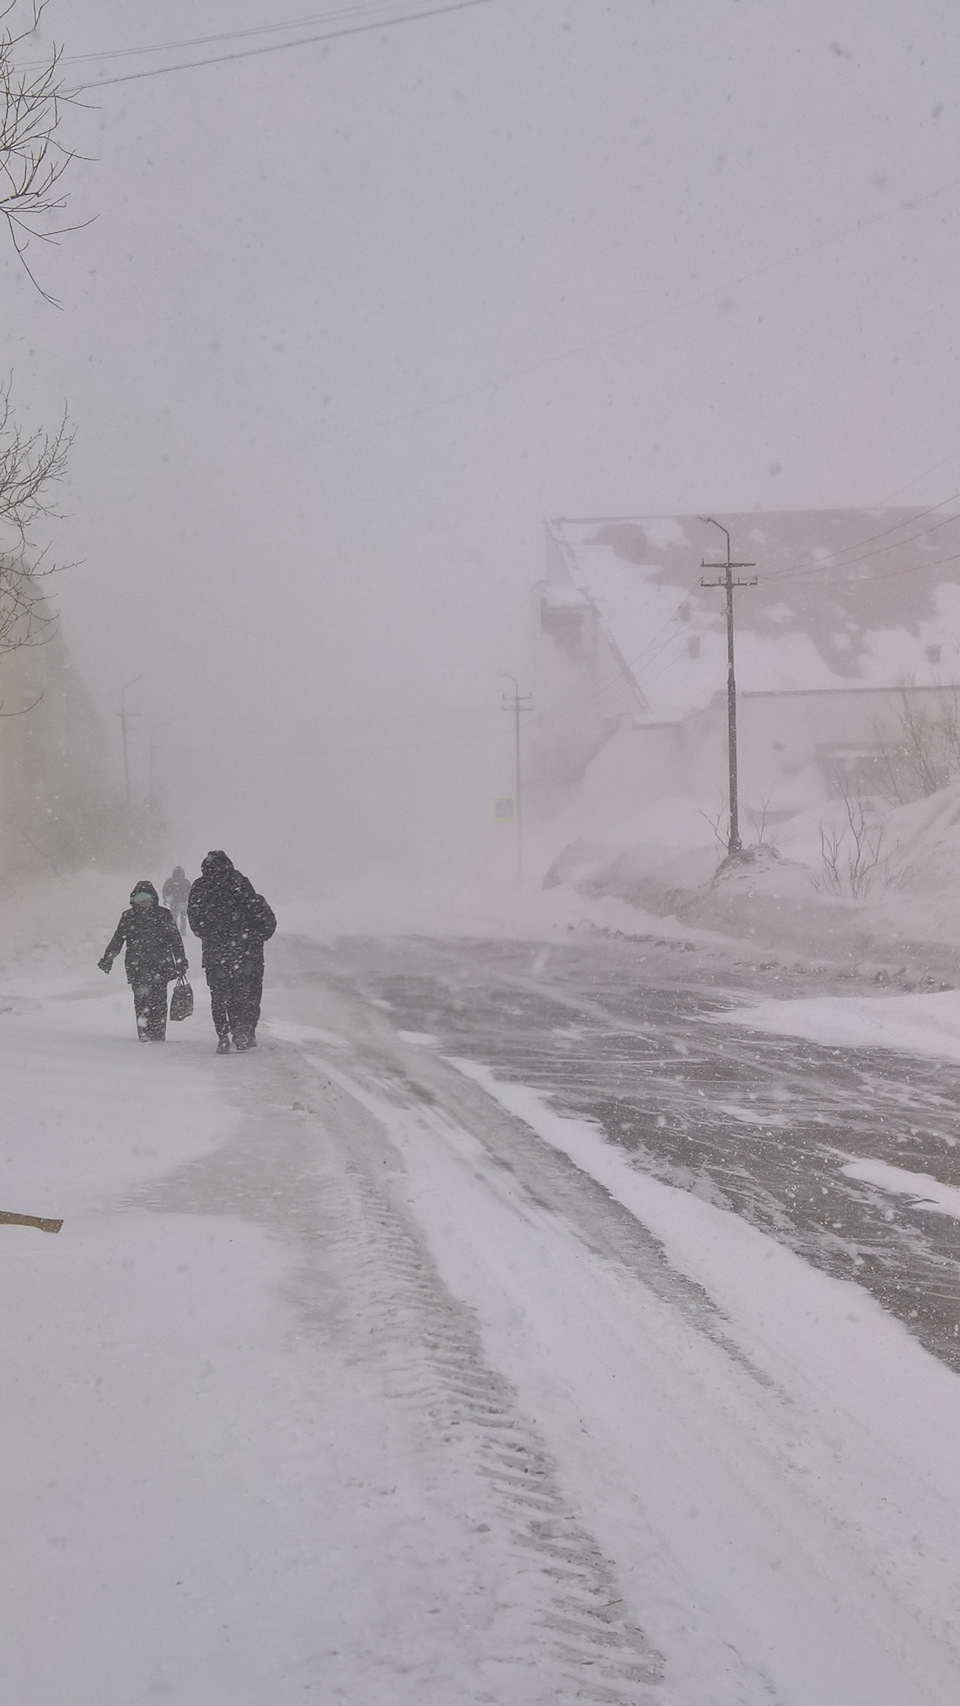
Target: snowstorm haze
point(349, 320)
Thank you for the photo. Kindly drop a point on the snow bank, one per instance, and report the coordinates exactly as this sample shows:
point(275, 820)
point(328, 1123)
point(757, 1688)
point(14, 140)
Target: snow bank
point(909, 917)
point(909, 1024)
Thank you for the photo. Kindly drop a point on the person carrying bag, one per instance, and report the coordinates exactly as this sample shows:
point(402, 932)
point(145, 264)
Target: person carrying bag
point(154, 955)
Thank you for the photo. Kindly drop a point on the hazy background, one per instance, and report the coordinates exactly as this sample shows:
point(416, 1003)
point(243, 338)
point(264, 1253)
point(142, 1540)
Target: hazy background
point(352, 318)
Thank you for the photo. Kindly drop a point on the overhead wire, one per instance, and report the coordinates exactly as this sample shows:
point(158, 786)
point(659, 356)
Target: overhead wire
point(491, 386)
point(616, 675)
point(811, 572)
point(835, 561)
point(843, 580)
point(831, 572)
point(181, 44)
point(935, 469)
point(803, 570)
point(894, 574)
point(454, 6)
point(465, 393)
point(283, 46)
point(708, 622)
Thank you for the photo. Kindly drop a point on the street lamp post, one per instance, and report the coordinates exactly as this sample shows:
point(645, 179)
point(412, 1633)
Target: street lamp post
point(125, 716)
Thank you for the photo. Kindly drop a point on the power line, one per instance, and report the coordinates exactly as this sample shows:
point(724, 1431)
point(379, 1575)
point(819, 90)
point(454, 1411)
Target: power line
point(891, 574)
point(488, 386)
point(850, 580)
point(559, 356)
point(814, 569)
point(711, 624)
point(826, 574)
point(601, 688)
point(817, 571)
point(954, 454)
point(283, 46)
point(183, 43)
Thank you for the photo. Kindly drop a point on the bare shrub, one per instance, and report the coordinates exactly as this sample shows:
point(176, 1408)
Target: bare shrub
point(758, 817)
point(854, 857)
point(919, 750)
point(716, 821)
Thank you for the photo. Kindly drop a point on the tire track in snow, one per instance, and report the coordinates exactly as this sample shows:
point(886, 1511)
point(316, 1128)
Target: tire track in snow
point(476, 1168)
point(367, 1285)
point(841, 1600)
point(441, 1375)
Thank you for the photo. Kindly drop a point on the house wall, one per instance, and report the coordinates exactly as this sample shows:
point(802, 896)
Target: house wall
point(795, 745)
point(583, 692)
point(780, 736)
point(649, 758)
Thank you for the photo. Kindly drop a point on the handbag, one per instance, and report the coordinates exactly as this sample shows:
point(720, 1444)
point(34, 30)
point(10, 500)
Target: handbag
point(181, 1000)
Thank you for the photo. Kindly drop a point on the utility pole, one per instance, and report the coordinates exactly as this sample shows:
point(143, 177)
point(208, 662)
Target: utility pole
point(734, 844)
point(517, 702)
point(152, 811)
point(125, 716)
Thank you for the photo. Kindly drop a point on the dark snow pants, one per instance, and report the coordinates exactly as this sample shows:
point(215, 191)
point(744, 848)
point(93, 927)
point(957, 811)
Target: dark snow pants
point(235, 1001)
point(150, 1006)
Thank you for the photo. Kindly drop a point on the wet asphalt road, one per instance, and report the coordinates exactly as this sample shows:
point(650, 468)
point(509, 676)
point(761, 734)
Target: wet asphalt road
point(613, 1030)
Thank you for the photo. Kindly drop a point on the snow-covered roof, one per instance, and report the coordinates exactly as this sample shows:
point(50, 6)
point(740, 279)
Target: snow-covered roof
point(564, 598)
point(845, 599)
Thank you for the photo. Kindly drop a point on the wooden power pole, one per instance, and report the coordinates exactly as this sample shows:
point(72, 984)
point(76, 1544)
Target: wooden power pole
point(734, 843)
point(517, 702)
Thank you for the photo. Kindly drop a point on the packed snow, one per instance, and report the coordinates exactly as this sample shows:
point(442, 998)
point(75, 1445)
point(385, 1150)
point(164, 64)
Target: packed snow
point(314, 1396)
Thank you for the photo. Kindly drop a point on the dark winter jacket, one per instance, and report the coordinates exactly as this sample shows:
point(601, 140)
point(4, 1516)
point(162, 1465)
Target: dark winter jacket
point(154, 944)
point(231, 919)
point(176, 889)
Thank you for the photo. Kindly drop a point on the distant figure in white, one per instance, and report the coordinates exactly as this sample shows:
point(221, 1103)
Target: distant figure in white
point(176, 893)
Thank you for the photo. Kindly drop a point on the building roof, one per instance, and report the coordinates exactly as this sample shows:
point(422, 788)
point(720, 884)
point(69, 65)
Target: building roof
point(845, 599)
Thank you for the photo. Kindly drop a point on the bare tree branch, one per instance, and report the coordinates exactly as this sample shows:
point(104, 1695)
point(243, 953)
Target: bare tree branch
point(31, 464)
point(32, 159)
point(26, 708)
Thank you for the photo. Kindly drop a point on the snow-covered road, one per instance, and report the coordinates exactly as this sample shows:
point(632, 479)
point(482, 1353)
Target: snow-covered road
point(761, 1088)
point(357, 1374)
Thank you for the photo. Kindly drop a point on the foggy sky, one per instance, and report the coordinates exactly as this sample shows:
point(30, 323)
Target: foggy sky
point(663, 258)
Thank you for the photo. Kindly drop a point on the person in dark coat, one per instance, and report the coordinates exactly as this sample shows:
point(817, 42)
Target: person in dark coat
point(233, 922)
point(154, 956)
point(176, 893)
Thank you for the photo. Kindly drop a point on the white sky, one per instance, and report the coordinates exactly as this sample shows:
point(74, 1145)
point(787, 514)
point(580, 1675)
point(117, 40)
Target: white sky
point(741, 215)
